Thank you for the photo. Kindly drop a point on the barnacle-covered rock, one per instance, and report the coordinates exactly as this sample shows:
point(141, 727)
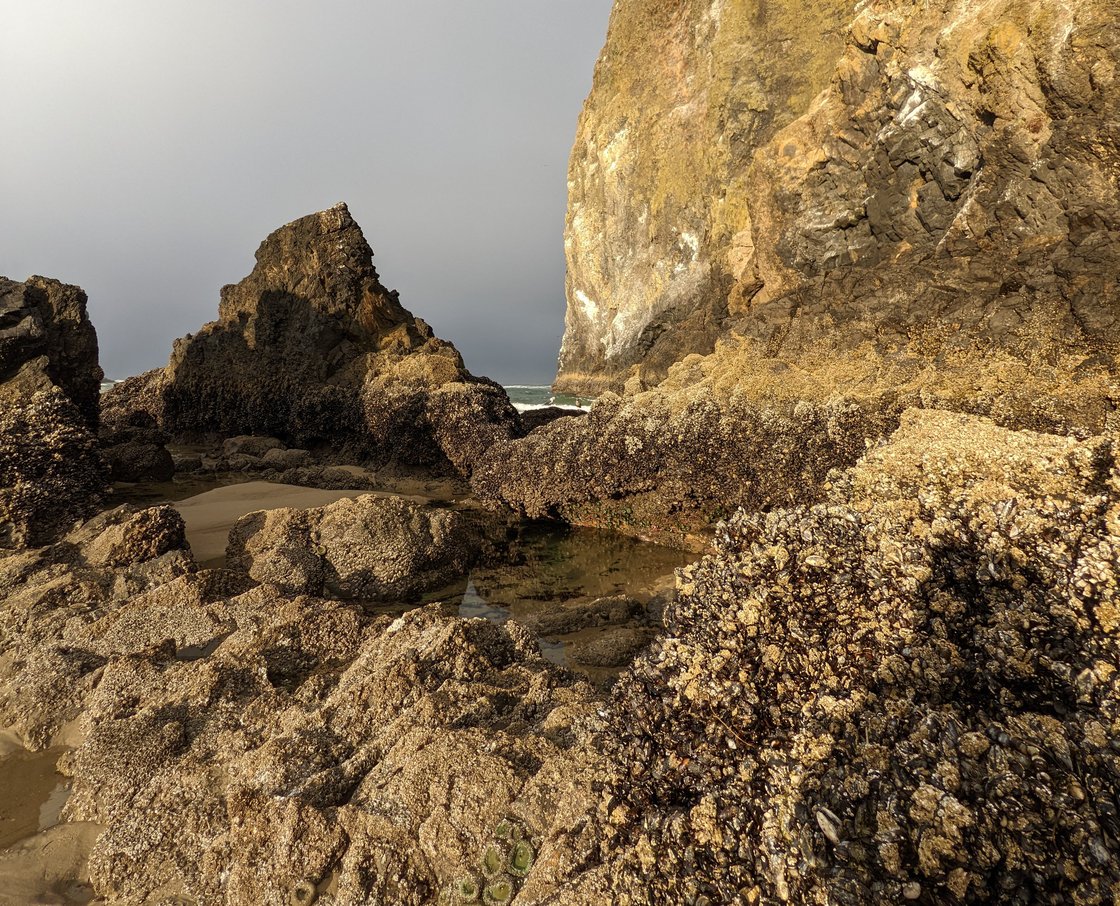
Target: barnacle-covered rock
point(668, 465)
point(906, 692)
point(368, 548)
point(51, 473)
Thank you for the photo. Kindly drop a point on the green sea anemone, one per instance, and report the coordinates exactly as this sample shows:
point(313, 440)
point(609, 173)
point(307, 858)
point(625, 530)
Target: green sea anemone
point(493, 861)
point(498, 892)
point(466, 889)
point(521, 857)
point(303, 894)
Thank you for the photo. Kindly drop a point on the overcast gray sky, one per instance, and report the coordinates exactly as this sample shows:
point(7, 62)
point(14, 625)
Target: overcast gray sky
point(152, 144)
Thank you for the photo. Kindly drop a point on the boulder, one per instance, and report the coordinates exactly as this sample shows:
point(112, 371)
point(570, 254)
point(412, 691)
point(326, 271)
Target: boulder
point(187, 462)
point(367, 548)
point(134, 447)
point(137, 461)
point(287, 459)
point(311, 349)
point(615, 648)
point(535, 418)
point(243, 462)
point(248, 445)
point(572, 616)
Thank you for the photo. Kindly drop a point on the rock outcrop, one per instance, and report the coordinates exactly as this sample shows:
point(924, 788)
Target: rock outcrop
point(241, 744)
point(51, 474)
point(950, 192)
point(370, 548)
point(667, 467)
point(313, 349)
point(906, 693)
point(134, 447)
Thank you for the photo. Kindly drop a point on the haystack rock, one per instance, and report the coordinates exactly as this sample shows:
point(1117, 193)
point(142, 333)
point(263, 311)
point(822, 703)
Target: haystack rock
point(51, 474)
point(313, 349)
point(788, 225)
point(839, 181)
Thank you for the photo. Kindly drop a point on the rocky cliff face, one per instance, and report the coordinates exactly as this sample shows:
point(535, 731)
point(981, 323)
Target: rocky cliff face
point(953, 184)
point(312, 348)
point(51, 473)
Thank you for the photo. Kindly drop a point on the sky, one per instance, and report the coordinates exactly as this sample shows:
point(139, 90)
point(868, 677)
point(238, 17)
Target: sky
point(152, 144)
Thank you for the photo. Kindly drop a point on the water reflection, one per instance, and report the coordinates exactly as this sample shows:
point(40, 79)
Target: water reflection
point(550, 566)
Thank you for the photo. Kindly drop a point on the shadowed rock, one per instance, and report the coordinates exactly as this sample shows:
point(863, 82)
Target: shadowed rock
point(313, 349)
point(50, 472)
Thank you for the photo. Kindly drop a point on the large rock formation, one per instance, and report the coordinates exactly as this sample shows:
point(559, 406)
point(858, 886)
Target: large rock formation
point(951, 191)
point(657, 220)
point(311, 348)
point(925, 215)
point(50, 472)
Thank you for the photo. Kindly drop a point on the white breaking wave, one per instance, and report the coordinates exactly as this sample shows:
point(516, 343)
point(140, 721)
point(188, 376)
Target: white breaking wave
point(525, 407)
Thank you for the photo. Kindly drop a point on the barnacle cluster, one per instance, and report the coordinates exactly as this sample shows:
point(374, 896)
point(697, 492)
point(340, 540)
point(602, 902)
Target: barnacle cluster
point(505, 861)
point(907, 693)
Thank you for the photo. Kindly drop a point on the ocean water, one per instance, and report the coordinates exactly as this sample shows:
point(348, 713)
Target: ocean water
point(535, 396)
point(523, 396)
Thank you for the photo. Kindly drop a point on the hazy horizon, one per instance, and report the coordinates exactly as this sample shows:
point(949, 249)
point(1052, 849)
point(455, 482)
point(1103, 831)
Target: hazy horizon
point(156, 147)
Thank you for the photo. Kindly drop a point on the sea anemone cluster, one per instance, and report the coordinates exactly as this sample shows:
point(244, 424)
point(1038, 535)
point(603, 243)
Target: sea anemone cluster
point(505, 862)
point(908, 693)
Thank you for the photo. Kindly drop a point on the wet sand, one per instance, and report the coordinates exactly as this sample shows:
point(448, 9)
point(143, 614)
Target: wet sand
point(32, 794)
point(49, 868)
point(41, 861)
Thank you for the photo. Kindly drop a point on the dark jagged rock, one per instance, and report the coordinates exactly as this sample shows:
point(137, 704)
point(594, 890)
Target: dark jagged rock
point(313, 349)
point(45, 322)
point(535, 418)
point(135, 448)
point(51, 474)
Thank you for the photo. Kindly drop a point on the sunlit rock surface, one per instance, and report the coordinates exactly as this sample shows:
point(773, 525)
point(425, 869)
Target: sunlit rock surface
point(908, 182)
